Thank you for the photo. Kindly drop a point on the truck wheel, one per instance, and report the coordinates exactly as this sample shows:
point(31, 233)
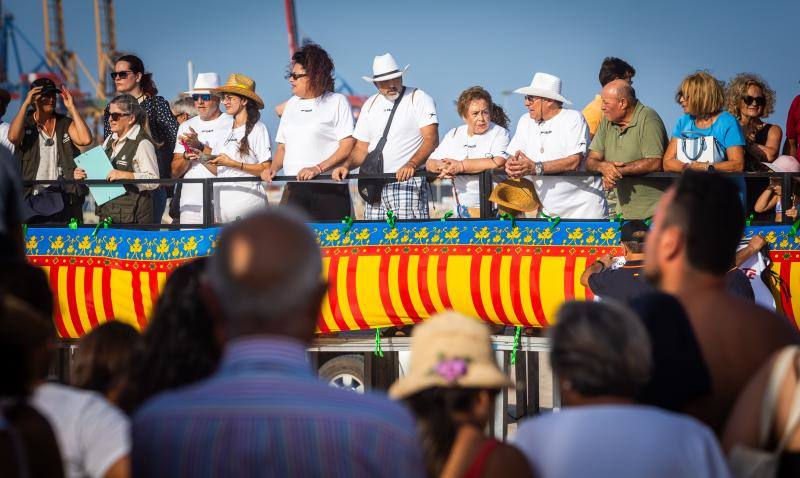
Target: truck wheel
point(345, 371)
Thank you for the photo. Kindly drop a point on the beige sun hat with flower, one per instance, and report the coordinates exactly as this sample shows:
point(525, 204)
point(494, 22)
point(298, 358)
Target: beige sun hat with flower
point(450, 350)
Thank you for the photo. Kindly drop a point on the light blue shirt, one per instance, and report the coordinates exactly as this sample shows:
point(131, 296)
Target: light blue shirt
point(725, 129)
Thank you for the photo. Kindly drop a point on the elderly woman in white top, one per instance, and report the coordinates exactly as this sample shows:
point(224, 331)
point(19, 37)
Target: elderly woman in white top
point(478, 145)
point(314, 136)
point(133, 156)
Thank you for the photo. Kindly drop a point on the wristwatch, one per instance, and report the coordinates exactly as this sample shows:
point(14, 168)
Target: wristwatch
point(538, 168)
point(711, 168)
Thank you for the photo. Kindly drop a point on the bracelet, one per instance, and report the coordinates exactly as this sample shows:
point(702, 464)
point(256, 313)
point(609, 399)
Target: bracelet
point(241, 165)
point(463, 168)
point(602, 266)
point(320, 169)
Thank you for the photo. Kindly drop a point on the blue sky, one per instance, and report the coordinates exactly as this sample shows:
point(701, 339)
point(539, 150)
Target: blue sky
point(451, 44)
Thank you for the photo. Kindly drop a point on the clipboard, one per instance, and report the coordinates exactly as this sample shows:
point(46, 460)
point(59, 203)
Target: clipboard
point(97, 166)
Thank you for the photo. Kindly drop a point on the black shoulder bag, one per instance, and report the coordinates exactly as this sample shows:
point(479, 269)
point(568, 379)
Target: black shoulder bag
point(370, 189)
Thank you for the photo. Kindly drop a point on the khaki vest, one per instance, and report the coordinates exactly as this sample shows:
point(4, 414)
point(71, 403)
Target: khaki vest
point(134, 207)
point(28, 152)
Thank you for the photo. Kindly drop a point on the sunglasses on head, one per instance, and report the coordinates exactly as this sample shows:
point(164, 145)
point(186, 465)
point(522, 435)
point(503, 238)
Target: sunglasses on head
point(296, 76)
point(121, 74)
point(758, 100)
point(117, 116)
point(202, 96)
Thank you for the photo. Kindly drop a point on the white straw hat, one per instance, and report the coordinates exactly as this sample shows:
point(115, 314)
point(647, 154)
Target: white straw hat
point(384, 67)
point(545, 86)
point(204, 83)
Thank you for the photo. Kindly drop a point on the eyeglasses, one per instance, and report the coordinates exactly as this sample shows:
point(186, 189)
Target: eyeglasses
point(758, 100)
point(296, 76)
point(681, 96)
point(117, 116)
point(227, 98)
point(121, 74)
point(204, 97)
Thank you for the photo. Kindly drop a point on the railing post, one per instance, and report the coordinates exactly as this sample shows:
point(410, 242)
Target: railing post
point(786, 197)
point(484, 190)
point(208, 209)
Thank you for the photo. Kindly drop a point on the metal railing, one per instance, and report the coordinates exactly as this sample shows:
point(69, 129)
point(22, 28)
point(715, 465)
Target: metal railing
point(485, 185)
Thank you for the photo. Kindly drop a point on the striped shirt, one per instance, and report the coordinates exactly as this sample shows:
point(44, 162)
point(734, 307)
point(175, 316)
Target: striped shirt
point(264, 413)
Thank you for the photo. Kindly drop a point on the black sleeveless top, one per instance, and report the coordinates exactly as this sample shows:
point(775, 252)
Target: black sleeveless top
point(751, 163)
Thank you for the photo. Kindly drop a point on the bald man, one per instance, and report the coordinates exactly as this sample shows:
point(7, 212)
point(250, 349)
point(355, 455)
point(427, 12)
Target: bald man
point(630, 142)
point(265, 413)
point(691, 245)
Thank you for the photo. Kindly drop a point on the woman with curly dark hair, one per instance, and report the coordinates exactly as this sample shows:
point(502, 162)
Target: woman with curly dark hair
point(314, 136)
point(130, 78)
point(750, 99)
point(478, 145)
point(179, 346)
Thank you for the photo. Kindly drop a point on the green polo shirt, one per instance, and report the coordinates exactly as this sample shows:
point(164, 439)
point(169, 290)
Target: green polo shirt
point(645, 137)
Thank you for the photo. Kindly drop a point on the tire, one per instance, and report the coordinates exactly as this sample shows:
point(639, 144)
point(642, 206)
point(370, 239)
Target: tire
point(345, 372)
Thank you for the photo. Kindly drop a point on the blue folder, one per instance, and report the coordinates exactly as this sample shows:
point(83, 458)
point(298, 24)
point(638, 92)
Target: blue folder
point(97, 166)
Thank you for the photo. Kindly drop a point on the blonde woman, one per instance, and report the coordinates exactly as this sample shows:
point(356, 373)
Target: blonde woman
point(750, 99)
point(703, 99)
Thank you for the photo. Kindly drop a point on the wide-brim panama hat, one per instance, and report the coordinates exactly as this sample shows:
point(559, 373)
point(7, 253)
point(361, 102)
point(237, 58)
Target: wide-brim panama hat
point(546, 86)
point(450, 350)
point(516, 194)
point(242, 85)
point(204, 83)
point(384, 67)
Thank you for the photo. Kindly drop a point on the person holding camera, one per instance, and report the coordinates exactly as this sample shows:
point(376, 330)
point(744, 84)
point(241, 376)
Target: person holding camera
point(46, 144)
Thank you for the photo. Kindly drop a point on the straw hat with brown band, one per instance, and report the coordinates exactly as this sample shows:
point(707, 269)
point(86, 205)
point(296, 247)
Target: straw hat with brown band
point(516, 195)
point(242, 85)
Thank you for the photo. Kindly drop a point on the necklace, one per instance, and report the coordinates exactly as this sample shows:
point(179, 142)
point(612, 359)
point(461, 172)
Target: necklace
point(48, 137)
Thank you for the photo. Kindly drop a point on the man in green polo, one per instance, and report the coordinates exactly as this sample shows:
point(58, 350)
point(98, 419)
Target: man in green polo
point(630, 142)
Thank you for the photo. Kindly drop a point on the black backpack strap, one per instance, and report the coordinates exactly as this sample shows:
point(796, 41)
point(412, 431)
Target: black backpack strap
point(382, 142)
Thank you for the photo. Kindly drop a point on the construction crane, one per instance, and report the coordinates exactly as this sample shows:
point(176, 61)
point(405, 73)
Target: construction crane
point(106, 45)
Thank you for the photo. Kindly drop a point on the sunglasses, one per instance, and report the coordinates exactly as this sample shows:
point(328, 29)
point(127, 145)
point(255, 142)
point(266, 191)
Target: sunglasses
point(296, 76)
point(121, 74)
point(531, 98)
point(758, 100)
point(203, 96)
point(117, 116)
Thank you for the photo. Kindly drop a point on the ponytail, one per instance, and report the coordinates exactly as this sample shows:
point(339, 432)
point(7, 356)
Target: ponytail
point(499, 116)
point(253, 115)
point(137, 66)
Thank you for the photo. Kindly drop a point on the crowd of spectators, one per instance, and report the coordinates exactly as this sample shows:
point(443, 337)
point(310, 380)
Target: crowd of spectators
point(658, 377)
point(396, 132)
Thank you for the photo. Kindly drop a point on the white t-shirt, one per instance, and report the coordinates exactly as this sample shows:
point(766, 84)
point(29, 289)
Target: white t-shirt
point(416, 110)
point(48, 162)
point(236, 199)
point(4, 137)
point(459, 145)
point(752, 268)
point(620, 441)
point(310, 130)
point(209, 133)
point(563, 135)
point(92, 434)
